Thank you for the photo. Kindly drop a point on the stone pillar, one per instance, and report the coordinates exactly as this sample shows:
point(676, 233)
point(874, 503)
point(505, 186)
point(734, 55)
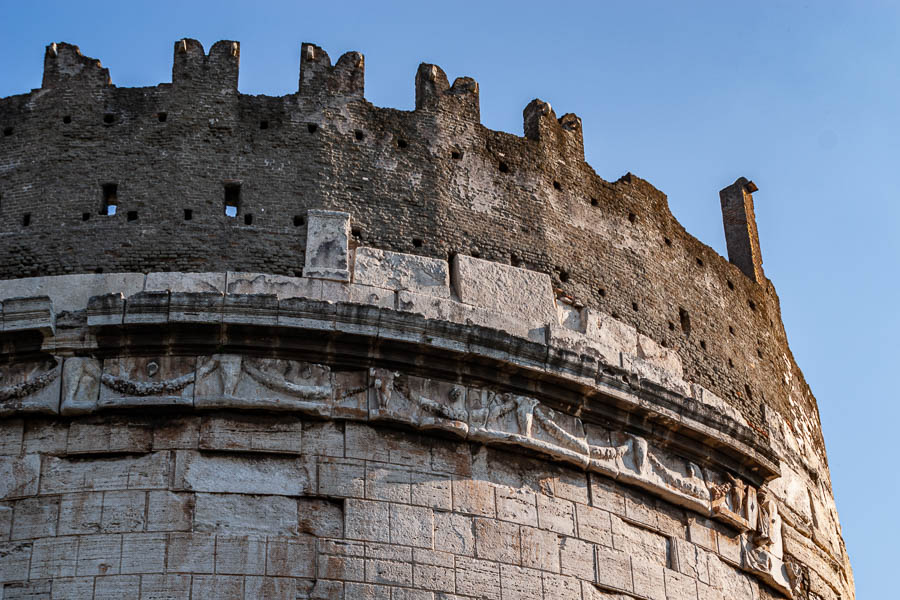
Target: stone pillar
point(740, 228)
point(327, 245)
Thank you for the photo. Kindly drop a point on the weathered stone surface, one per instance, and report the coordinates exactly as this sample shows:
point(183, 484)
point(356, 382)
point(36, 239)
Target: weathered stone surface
point(243, 514)
point(185, 282)
point(524, 294)
point(147, 381)
point(243, 474)
point(251, 433)
point(30, 387)
point(231, 381)
point(19, 476)
point(277, 285)
point(150, 471)
point(396, 271)
point(72, 292)
point(21, 314)
point(327, 238)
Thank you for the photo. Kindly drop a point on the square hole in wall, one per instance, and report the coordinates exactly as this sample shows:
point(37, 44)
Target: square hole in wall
point(132, 215)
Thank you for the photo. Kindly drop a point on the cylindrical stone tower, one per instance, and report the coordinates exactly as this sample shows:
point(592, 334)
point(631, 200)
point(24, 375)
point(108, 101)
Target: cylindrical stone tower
point(304, 347)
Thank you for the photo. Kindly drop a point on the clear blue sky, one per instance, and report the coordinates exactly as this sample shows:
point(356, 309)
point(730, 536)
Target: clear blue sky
point(801, 97)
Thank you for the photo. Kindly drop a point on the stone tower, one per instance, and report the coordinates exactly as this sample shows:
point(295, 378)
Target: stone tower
point(305, 347)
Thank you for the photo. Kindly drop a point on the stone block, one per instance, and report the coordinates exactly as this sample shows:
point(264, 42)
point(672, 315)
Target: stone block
point(278, 285)
point(170, 511)
point(576, 558)
point(165, 587)
point(123, 511)
point(680, 586)
point(474, 496)
point(26, 590)
point(519, 583)
point(35, 517)
point(191, 553)
point(147, 308)
point(613, 569)
point(387, 483)
point(523, 294)
point(556, 514)
point(16, 557)
point(144, 552)
point(388, 572)
point(19, 476)
point(561, 587)
point(478, 578)
point(640, 543)
point(218, 587)
point(367, 520)
point(31, 387)
point(234, 381)
point(396, 271)
point(648, 579)
point(108, 309)
point(34, 313)
point(244, 514)
point(185, 282)
point(594, 525)
point(60, 475)
point(241, 474)
point(196, 307)
point(497, 540)
point(291, 557)
point(70, 293)
point(43, 436)
point(250, 309)
point(135, 382)
point(73, 588)
point(177, 433)
point(454, 533)
point(412, 526)
point(53, 557)
point(80, 513)
point(251, 433)
point(323, 438)
point(540, 549)
point(327, 241)
point(516, 505)
point(431, 490)
point(342, 478)
point(240, 555)
point(108, 436)
point(99, 555)
point(6, 516)
point(270, 588)
point(12, 433)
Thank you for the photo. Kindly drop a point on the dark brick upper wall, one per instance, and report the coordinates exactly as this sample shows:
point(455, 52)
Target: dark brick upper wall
point(432, 181)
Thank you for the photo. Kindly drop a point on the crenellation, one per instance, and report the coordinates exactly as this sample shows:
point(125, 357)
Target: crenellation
point(319, 80)
point(66, 67)
point(193, 67)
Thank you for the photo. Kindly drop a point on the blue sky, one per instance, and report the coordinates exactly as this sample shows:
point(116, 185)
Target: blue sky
point(801, 97)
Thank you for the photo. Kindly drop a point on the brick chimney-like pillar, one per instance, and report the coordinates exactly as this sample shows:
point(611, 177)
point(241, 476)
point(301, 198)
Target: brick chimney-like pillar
point(740, 228)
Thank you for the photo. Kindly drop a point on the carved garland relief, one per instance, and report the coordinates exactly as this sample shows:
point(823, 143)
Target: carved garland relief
point(478, 414)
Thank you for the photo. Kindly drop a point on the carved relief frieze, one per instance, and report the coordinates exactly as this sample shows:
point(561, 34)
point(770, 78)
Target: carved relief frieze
point(30, 387)
point(425, 403)
point(226, 380)
point(80, 385)
point(147, 381)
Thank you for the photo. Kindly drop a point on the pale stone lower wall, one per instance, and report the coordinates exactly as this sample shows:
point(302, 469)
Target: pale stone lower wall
point(231, 505)
point(493, 358)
